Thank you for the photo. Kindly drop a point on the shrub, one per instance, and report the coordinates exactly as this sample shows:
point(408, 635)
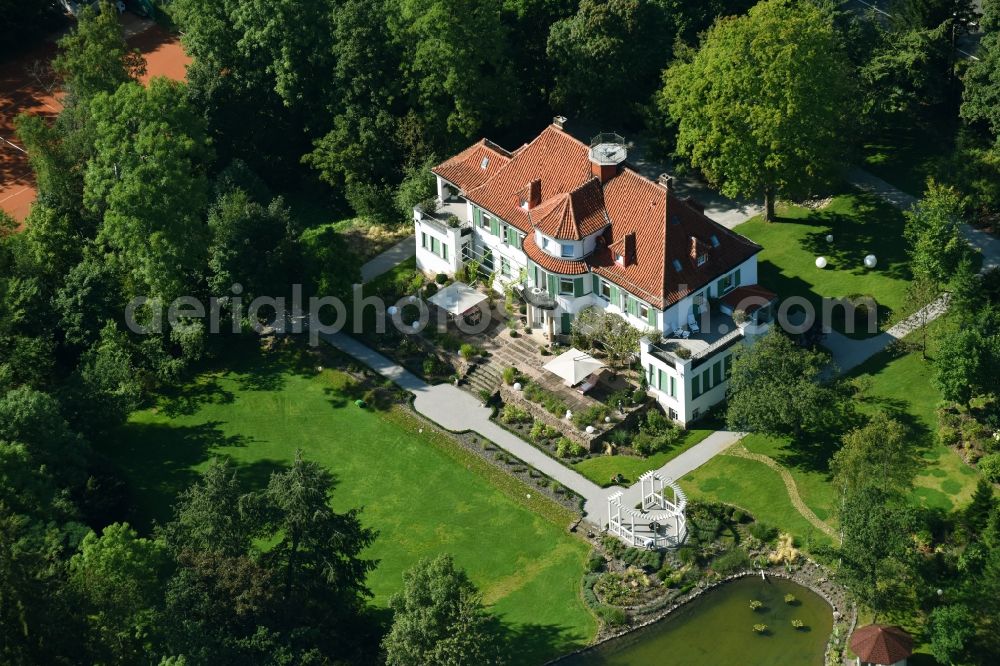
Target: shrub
point(469, 351)
point(485, 395)
point(595, 563)
point(738, 516)
point(638, 396)
point(590, 416)
point(730, 562)
point(621, 397)
point(621, 437)
point(512, 414)
point(763, 532)
point(614, 617)
point(440, 278)
point(379, 398)
point(989, 466)
point(430, 289)
point(509, 375)
point(432, 366)
point(541, 432)
point(567, 448)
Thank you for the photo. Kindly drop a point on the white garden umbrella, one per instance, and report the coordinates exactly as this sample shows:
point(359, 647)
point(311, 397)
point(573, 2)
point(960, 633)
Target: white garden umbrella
point(457, 298)
point(573, 366)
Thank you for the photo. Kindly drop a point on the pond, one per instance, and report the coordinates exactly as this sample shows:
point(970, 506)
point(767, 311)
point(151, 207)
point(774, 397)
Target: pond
point(717, 628)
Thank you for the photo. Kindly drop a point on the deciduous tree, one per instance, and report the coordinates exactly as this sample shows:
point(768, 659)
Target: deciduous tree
point(764, 104)
point(439, 619)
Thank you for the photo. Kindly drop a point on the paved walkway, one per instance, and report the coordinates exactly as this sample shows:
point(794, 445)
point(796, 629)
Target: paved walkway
point(389, 259)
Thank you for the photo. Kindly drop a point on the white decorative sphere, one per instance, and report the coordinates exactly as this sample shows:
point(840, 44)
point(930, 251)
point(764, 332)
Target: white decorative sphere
point(590, 430)
point(820, 262)
point(569, 414)
point(870, 261)
point(416, 327)
point(393, 310)
point(517, 386)
point(607, 419)
point(412, 299)
point(829, 238)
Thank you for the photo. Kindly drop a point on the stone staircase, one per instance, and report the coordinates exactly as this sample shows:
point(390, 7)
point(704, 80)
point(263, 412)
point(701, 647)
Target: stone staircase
point(485, 375)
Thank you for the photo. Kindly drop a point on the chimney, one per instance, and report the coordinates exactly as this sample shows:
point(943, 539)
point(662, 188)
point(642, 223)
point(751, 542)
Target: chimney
point(534, 193)
point(559, 121)
point(667, 181)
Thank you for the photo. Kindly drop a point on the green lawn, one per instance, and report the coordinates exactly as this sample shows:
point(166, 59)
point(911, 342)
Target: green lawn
point(420, 490)
point(601, 469)
point(861, 224)
point(754, 487)
point(897, 382)
point(902, 385)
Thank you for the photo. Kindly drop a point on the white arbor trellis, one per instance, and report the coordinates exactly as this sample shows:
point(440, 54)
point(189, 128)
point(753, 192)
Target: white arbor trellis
point(658, 523)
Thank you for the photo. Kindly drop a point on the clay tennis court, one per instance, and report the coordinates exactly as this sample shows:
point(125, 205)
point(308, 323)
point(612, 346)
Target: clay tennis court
point(26, 86)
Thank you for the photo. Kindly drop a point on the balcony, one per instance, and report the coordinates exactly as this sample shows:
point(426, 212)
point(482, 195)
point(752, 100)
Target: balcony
point(448, 215)
point(718, 332)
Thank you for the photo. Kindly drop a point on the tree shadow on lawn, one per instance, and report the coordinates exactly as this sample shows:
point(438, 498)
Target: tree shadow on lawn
point(872, 226)
point(535, 643)
point(159, 461)
point(190, 398)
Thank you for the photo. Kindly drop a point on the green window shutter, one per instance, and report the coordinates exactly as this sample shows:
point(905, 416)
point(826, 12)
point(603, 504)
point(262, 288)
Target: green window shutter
point(718, 288)
point(706, 380)
point(727, 366)
point(444, 252)
point(652, 317)
point(717, 373)
point(553, 284)
point(614, 295)
point(597, 283)
point(633, 306)
point(663, 380)
point(477, 216)
point(578, 287)
point(673, 387)
point(567, 323)
point(696, 387)
point(494, 226)
point(736, 280)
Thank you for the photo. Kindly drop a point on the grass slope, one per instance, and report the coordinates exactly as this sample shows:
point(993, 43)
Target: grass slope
point(422, 492)
point(601, 469)
point(861, 224)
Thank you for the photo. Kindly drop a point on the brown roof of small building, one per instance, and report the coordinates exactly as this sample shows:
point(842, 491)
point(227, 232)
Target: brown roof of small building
point(575, 204)
point(881, 644)
point(748, 298)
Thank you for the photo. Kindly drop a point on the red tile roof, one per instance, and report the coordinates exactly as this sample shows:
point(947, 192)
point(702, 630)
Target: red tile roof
point(550, 263)
point(881, 644)
point(573, 215)
point(575, 204)
point(466, 169)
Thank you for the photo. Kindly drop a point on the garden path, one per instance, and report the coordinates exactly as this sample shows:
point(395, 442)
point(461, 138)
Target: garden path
point(386, 261)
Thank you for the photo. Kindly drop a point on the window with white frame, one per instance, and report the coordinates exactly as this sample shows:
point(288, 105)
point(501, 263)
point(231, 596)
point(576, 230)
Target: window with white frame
point(505, 267)
point(605, 290)
point(702, 258)
point(566, 250)
point(484, 221)
point(643, 311)
point(434, 245)
point(565, 286)
point(726, 284)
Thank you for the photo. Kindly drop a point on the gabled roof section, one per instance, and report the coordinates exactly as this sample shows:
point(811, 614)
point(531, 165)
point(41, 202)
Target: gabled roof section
point(573, 215)
point(881, 644)
point(473, 166)
point(559, 161)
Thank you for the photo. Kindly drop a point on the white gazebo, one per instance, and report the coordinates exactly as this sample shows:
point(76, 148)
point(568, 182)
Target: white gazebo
point(457, 298)
point(573, 366)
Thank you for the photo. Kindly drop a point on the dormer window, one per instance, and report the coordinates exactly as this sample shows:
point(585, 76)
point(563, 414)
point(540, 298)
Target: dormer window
point(677, 266)
point(702, 258)
point(620, 260)
point(546, 243)
point(715, 241)
point(485, 163)
point(565, 250)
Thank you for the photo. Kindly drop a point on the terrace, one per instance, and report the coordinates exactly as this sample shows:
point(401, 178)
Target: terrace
point(718, 331)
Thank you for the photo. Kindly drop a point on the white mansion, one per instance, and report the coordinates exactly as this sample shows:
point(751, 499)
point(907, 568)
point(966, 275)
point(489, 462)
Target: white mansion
point(580, 228)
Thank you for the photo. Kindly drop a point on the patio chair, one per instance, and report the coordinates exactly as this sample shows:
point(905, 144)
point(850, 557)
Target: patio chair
point(588, 383)
point(693, 323)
